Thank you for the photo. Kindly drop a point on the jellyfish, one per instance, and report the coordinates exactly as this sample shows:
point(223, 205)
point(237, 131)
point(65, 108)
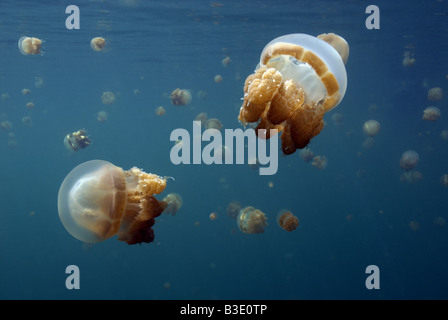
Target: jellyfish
point(431, 114)
point(201, 117)
point(98, 200)
point(30, 105)
point(251, 220)
point(338, 119)
point(174, 203)
point(444, 134)
point(26, 91)
point(287, 221)
point(444, 180)
point(27, 121)
point(213, 123)
point(101, 116)
point(408, 59)
point(108, 97)
point(213, 216)
point(226, 61)
point(411, 176)
point(160, 111)
point(371, 128)
point(180, 97)
point(320, 162)
point(217, 78)
point(299, 79)
point(29, 45)
point(233, 208)
point(77, 140)
point(409, 160)
point(6, 125)
point(435, 94)
point(98, 43)
point(306, 154)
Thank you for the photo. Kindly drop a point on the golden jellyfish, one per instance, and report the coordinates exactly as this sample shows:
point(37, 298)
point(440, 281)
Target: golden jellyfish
point(213, 123)
point(287, 221)
point(102, 116)
point(29, 45)
point(213, 216)
point(299, 79)
point(409, 160)
point(108, 97)
point(180, 97)
point(98, 200)
point(77, 140)
point(431, 114)
point(160, 111)
point(98, 43)
point(30, 105)
point(444, 180)
point(435, 94)
point(251, 220)
point(174, 203)
point(233, 208)
point(371, 128)
point(217, 78)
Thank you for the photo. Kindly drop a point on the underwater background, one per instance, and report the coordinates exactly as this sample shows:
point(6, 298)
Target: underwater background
point(358, 211)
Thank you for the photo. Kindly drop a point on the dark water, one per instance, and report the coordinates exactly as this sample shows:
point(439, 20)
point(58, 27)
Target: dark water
point(354, 213)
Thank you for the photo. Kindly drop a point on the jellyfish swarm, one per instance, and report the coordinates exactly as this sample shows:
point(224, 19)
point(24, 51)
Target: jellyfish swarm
point(98, 200)
point(29, 45)
point(299, 79)
point(251, 220)
point(287, 221)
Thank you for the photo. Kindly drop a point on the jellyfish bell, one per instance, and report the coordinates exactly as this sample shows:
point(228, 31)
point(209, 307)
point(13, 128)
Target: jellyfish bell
point(251, 220)
point(98, 200)
point(98, 44)
point(287, 221)
point(30, 45)
point(371, 128)
point(298, 79)
point(409, 160)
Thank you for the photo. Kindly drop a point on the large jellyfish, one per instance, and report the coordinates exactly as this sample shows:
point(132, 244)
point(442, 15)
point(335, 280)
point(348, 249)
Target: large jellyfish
point(251, 220)
point(98, 200)
point(299, 79)
point(29, 45)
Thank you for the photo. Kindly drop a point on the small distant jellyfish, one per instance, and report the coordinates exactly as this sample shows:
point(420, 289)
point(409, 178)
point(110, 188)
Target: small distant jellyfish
point(217, 78)
point(444, 134)
point(409, 160)
point(38, 82)
point(29, 45)
point(408, 60)
point(6, 125)
point(102, 116)
point(174, 203)
point(201, 117)
point(435, 94)
point(136, 92)
point(108, 97)
point(306, 154)
point(233, 208)
point(337, 119)
point(320, 162)
point(5, 96)
point(27, 121)
point(431, 114)
point(180, 97)
point(444, 180)
point(26, 91)
point(160, 111)
point(226, 61)
point(251, 220)
point(439, 221)
point(201, 94)
point(98, 43)
point(213, 216)
point(371, 128)
point(368, 143)
point(30, 105)
point(414, 225)
point(77, 140)
point(287, 221)
point(411, 176)
point(213, 123)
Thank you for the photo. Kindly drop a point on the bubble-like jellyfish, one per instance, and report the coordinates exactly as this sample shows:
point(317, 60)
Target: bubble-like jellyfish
point(201, 117)
point(27, 121)
point(26, 91)
point(320, 162)
point(431, 113)
point(160, 111)
point(444, 134)
point(251, 220)
point(287, 221)
point(98, 200)
point(102, 116)
point(371, 128)
point(213, 216)
point(217, 78)
point(180, 97)
point(108, 97)
point(174, 203)
point(306, 154)
point(299, 79)
point(29, 45)
point(98, 43)
point(213, 123)
point(77, 140)
point(30, 105)
point(233, 208)
point(435, 94)
point(409, 160)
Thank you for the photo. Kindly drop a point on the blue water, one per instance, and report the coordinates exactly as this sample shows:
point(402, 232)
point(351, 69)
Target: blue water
point(354, 213)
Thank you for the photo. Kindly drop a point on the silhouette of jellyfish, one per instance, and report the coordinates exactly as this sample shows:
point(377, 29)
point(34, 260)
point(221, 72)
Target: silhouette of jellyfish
point(160, 111)
point(431, 114)
point(29, 45)
point(101, 116)
point(98, 200)
point(444, 180)
point(98, 43)
point(435, 94)
point(213, 123)
point(287, 221)
point(180, 97)
point(233, 208)
point(251, 220)
point(371, 128)
point(409, 160)
point(174, 203)
point(299, 79)
point(108, 97)
point(77, 140)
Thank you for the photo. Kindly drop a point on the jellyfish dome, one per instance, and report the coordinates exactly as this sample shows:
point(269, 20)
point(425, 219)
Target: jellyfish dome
point(298, 79)
point(98, 200)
